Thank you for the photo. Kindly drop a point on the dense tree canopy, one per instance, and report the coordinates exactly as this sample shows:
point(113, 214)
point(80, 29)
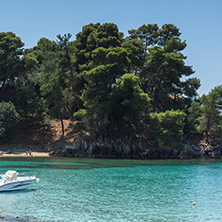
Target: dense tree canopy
point(105, 62)
point(8, 118)
point(164, 67)
point(16, 70)
point(11, 63)
point(210, 122)
point(138, 85)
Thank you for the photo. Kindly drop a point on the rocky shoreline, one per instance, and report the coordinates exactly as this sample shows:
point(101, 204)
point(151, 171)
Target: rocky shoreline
point(117, 150)
point(125, 150)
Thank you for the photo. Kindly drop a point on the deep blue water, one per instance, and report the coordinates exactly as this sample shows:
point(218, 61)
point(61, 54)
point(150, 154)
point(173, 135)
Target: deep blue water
point(116, 190)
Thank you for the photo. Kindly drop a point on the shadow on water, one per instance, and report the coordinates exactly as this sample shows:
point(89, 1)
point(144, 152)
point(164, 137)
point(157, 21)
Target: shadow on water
point(18, 191)
point(89, 163)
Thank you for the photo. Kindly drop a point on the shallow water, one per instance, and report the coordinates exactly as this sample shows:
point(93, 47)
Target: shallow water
point(115, 190)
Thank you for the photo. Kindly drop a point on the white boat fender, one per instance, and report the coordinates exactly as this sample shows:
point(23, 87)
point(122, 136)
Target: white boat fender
point(37, 179)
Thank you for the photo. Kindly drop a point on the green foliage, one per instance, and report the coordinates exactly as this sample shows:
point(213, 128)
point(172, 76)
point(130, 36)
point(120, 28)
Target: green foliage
point(162, 77)
point(8, 117)
point(43, 48)
point(146, 33)
point(193, 114)
point(104, 60)
point(166, 33)
point(50, 79)
point(165, 129)
point(136, 55)
point(94, 36)
point(190, 87)
point(11, 64)
point(56, 76)
point(8, 113)
point(162, 72)
point(129, 101)
point(210, 122)
point(80, 114)
point(109, 82)
point(17, 68)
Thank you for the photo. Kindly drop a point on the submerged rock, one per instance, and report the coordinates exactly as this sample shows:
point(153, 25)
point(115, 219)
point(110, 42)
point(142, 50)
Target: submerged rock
point(16, 218)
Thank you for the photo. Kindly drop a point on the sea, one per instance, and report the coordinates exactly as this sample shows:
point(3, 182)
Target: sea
point(101, 190)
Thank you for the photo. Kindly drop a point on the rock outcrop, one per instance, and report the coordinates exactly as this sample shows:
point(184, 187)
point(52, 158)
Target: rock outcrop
point(118, 150)
point(126, 150)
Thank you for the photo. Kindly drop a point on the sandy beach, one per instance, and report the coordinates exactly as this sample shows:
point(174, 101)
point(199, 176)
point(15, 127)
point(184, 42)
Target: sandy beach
point(23, 154)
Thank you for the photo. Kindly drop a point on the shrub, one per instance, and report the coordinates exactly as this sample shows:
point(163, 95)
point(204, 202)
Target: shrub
point(8, 117)
point(165, 129)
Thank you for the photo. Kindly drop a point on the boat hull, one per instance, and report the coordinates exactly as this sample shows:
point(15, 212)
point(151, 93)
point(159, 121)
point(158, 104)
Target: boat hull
point(16, 185)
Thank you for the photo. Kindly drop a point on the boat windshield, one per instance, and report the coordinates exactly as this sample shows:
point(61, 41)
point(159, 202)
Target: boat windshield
point(11, 175)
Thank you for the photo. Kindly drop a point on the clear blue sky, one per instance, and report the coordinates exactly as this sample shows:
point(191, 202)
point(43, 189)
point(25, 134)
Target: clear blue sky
point(200, 22)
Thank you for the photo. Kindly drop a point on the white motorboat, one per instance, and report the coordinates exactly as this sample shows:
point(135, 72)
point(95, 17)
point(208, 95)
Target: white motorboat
point(10, 181)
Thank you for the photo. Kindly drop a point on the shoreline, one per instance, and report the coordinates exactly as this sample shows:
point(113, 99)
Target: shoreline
point(24, 154)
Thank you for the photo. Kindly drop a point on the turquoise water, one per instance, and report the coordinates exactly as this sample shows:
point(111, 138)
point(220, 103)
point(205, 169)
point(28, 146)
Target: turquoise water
point(116, 190)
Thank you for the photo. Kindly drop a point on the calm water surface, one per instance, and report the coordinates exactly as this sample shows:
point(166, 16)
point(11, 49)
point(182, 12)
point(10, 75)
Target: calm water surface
point(116, 190)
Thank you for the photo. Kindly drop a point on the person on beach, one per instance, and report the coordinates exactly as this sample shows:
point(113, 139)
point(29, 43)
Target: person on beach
point(30, 153)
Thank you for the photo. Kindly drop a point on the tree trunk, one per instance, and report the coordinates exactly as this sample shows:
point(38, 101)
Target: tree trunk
point(61, 119)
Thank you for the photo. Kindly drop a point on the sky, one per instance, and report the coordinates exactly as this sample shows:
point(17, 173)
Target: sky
point(199, 21)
